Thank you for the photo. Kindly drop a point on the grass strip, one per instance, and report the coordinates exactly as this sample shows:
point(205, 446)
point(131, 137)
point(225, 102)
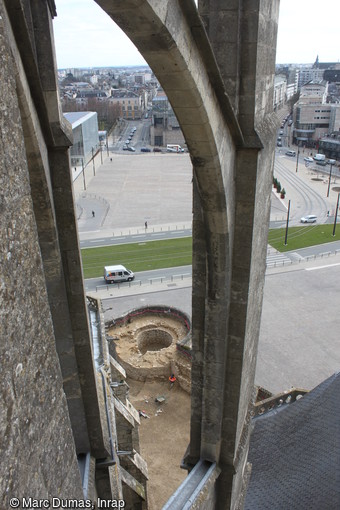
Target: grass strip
point(302, 237)
point(138, 256)
point(178, 252)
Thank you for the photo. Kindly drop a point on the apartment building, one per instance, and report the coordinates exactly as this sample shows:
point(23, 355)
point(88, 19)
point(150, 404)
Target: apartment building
point(314, 118)
point(129, 103)
point(280, 92)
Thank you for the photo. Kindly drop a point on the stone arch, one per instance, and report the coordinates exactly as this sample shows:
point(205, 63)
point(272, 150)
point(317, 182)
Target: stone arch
point(232, 182)
point(171, 38)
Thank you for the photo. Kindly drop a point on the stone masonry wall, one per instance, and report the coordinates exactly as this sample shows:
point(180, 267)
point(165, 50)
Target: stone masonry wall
point(35, 432)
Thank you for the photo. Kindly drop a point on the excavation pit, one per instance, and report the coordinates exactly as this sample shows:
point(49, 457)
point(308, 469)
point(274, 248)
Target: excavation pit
point(145, 341)
point(153, 339)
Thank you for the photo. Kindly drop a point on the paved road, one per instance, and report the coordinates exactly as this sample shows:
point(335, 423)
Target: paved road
point(143, 278)
point(136, 238)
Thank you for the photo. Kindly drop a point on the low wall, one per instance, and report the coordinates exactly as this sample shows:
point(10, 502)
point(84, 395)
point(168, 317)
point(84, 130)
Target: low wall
point(183, 347)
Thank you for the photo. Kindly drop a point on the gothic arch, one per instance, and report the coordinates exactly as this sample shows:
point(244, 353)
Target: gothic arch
point(232, 168)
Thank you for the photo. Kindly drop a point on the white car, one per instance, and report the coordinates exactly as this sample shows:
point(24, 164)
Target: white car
point(310, 218)
point(308, 159)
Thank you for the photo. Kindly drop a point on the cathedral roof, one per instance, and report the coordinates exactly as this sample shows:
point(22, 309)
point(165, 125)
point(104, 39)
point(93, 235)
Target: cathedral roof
point(295, 453)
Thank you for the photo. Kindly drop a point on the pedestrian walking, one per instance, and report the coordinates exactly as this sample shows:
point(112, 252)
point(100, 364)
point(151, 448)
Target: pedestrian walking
point(146, 225)
point(93, 214)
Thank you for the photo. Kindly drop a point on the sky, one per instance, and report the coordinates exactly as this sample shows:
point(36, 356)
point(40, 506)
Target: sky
point(86, 37)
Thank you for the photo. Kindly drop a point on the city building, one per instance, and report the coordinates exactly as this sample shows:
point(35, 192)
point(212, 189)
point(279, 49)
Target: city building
point(130, 104)
point(165, 128)
point(314, 118)
point(330, 146)
point(280, 92)
point(85, 136)
point(292, 82)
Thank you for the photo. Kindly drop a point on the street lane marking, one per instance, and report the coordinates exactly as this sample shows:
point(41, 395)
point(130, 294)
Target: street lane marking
point(321, 267)
point(141, 235)
point(98, 240)
point(159, 234)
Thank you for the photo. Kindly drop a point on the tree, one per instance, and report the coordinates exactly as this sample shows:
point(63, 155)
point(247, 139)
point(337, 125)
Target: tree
point(292, 100)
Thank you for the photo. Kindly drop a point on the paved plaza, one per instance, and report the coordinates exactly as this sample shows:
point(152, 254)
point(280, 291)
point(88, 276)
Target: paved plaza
point(131, 189)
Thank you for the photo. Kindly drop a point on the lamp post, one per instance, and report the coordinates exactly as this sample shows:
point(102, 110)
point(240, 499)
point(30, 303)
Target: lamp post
point(287, 223)
point(329, 180)
point(94, 168)
point(297, 159)
point(82, 164)
point(336, 215)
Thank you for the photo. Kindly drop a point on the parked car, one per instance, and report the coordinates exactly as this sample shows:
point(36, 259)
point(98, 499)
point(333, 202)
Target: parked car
point(279, 143)
point(131, 149)
point(157, 149)
point(310, 218)
point(308, 159)
point(291, 153)
point(125, 147)
point(331, 162)
point(281, 132)
point(145, 149)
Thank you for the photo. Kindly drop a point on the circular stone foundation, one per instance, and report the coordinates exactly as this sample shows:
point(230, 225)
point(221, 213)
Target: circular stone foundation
point(144, 341)
point(153, 339)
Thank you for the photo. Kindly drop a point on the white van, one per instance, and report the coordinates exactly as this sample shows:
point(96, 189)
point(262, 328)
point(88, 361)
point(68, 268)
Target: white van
point(319, 157)
point(174, 148)
point(113, 274)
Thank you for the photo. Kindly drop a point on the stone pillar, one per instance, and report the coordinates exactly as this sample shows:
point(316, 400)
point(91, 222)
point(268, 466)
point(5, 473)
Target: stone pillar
point(198, 321)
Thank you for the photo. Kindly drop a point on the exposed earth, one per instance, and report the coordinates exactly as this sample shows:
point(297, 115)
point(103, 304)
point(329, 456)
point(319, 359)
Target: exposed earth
point(164, 436)
point(147, 341)
point(146, 348)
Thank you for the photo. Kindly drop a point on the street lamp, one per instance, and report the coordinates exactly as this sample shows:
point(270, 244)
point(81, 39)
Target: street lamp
point(297, 159)
point(94, 168)
point(82, 164)
point(336, 214)
point(287, 223)
point(329, 180)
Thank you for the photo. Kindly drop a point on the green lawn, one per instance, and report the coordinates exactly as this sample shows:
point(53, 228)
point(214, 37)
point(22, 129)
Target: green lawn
point(139, 256)
point(178, 252)
point(301, 237)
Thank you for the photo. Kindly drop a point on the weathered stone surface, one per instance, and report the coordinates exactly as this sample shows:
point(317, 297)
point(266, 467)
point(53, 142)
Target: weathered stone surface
point(35, 432)
point(221, 90)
